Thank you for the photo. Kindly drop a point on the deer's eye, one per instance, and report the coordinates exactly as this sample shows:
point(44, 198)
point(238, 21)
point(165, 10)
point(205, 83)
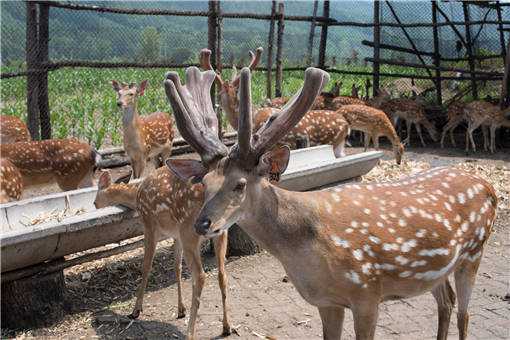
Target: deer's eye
point(241, 184)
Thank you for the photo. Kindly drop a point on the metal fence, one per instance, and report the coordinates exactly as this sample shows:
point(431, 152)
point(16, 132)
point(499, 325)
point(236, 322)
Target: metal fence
point(66, 42)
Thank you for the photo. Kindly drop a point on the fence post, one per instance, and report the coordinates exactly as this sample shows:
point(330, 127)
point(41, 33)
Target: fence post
point(44, 110)
point(270, 42)
point(470, 50)
point(501, 32)
point(279, 51)
point(212, 44)
point(219, 64)
point(437, 56)
point(311, 36)
point(324, 36)
point(33, 121)
point(377, 41)
point(505, 89)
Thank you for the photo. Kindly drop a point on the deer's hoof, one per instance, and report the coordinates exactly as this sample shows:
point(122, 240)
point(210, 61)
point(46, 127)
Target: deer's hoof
point(226, 330)
point(181, 312)
point(135, 314)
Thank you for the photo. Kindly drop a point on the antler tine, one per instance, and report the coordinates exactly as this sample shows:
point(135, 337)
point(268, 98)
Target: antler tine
point(194, 114)
point(292, 112)
point(255, 60)
point(205, 63)
point(245, 113)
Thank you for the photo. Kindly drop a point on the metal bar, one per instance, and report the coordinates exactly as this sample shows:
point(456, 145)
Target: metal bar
point(270, 43)
point(437, 56)
point(377, 50)
point(452, 25)
point(501, 32)
point(32, 52)
point(311, 35)
point(324, 37)
point(279, 50)
point(469, 50)
point(44, 108)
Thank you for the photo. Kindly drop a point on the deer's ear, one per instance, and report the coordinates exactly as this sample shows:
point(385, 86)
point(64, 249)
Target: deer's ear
point(187, 169)
point(116, 85)
point(141, 88)
point(105, 180)
point(274, 163)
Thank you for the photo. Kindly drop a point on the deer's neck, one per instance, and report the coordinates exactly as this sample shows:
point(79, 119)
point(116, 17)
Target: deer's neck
point(122, 194)
point(130, 119)
point(281, 221)
point(232, 112)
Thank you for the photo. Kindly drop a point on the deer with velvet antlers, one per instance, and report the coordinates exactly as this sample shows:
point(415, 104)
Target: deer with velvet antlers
point(351, 246)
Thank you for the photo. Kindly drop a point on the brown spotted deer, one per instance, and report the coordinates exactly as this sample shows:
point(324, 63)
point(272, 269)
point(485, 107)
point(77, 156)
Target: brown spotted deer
point(484, 114)
point(12, 129)
point(279, 102)
point(11, 182)
point(374, 124)
point(168, 208)
point(145, 137)
point(352, 246)
point(455, 117)
point(67, 162)
point(318, 127)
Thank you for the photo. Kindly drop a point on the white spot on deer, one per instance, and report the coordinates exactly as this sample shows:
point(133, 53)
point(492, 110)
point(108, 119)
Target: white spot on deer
point(435, 274)
point(434, 252)
point(365, 224)
point(472, 216)
point(470, 193)
point(474, 257)
point(407, 212)
point(405, 274)
point(406, 246)
point(365, 268)
point(457, 218)
point(358, 254)
point(353, 276)
point(335, 197)
point(328, 206)
point(402, 222)
point(401, 259)
point(384, 217)
point(461, 197)
point(451, 198)
point(481, 233)
point(339, 242)
point(374, 239)
point(419, 263)
point(385, 266)
point(421, 233)
point(390, 246)
point(366, 211)
point(349, 230)
point(356, 203)
point(354, 224)
point(447, 225)
point(453, 242)
point(447, 206)
point(393, 215)
point(391, 230)
point(364, 231)
point(464, 226)
point(379, 224)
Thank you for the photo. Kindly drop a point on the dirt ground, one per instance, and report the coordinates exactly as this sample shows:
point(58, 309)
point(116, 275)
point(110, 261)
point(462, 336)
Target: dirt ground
point(262, 305)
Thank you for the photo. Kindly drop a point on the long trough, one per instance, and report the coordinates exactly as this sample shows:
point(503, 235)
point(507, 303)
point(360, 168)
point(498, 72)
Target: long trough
point(23, 245)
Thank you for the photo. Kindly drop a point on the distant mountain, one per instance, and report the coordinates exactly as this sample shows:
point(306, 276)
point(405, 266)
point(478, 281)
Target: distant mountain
point(106, 36)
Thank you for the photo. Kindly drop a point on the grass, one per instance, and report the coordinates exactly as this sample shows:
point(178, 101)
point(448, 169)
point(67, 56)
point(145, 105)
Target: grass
point(83, 103)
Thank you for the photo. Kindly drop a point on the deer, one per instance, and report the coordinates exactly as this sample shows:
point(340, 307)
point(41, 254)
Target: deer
point(68, 162)
point(279, 102)
point(455, 117)
point(11, 182)
point(168, 208)
point(409, 110)
point(352, 246)
point(12, 130)
point(373, 123)
point(145, 137)
point(481, 113)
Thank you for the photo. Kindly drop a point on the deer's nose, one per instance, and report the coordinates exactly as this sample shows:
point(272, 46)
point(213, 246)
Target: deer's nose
point(119, 103)
point(202, 226)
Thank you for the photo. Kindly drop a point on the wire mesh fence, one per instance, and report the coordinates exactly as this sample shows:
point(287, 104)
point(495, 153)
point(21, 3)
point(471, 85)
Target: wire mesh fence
point(89, 46)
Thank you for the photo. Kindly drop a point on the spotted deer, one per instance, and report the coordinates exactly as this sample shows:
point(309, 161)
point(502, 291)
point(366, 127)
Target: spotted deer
point(12, 129)
point(67, 162)
point(11, 182)
point(318, 127)
point(455, 117)
point(412, 112)
point(352, 246)
point(279, 102)
point(374, 124)
point(484, 114)
point(168, 208)
point(145, 137)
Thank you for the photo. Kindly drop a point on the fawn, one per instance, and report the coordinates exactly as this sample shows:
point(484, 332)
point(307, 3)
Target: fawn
point(168, 208)
point(145, 137)
point(12, 129)
point(352, 246)
point(68, 162)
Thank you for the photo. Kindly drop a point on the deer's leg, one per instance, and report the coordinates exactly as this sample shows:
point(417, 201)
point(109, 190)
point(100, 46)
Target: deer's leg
point(449, 127)
point(365, 319)
point(138, 165)
point(220, 249)
point(339, 144)
point(493, 138)
point(485, 137)
point(465, 277)
point(192, 258)
point(367, 141)
point(332, 322)
point(181, 310)
point(418, 129)
point(407, 141)
point(472, 127)
point(445, 298)
point(150, 241)
point(375, 139)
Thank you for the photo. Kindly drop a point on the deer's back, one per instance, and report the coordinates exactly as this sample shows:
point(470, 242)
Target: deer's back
point(365, 118)
point(12, 130)
point(157, 129)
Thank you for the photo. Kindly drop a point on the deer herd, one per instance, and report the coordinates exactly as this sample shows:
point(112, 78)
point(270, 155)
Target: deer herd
point(351, 246)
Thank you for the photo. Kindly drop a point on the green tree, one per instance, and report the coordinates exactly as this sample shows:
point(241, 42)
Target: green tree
point(150, 45)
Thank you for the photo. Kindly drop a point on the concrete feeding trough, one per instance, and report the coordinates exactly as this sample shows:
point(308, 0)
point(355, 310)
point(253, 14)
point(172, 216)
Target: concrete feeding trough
point(24, 245)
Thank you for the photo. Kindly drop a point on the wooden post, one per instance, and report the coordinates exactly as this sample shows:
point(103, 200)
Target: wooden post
point(212, 44)
point(469, 49)
point(437, 55)
point(377, 41)
point(44, 110)
point(311, 35)
point(501, 32)
point(324, 37)
point(32, 47)
point(270, 42)
point(219, 64)
point(279, 51)
point(505, 88)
